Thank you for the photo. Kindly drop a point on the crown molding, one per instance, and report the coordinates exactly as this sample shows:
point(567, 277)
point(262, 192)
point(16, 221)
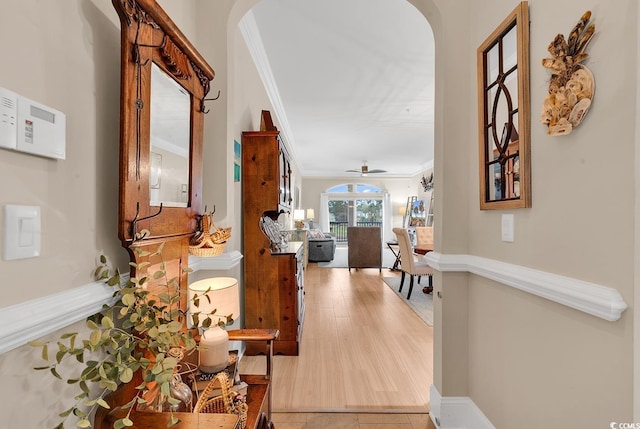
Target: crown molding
point(251, 33)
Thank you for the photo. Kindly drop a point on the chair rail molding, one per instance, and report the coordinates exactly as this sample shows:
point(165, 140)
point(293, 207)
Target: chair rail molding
point(36, 318)
point(597, 300)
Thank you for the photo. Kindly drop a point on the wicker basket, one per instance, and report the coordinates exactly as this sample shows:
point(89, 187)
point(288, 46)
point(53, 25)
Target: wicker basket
point(211, 240)
point(225, 403)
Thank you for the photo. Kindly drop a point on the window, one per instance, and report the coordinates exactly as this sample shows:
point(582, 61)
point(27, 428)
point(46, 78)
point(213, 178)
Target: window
point(354, 204)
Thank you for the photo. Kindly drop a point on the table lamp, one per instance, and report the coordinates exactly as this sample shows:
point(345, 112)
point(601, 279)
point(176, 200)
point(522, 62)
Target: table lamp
point(298, 218)
point(214, 298)
point(310, 216)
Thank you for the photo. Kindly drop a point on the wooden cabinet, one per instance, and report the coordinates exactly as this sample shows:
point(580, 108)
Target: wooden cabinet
point(274, 281)
point(301, 235)
point(266, 170)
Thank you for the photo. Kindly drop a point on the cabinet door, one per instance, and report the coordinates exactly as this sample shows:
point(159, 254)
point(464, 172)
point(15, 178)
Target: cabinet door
point(261, 178)
point(284, 167)
point(300, 293)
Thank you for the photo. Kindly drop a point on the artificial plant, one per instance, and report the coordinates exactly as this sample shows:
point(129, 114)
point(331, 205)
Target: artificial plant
point(140, 332)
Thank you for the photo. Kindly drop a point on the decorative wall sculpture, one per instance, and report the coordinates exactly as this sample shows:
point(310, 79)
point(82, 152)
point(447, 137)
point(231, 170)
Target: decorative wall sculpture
point(572, 85)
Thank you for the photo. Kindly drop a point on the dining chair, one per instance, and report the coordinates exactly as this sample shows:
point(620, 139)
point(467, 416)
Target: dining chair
point(424, 235)
point(409, 264)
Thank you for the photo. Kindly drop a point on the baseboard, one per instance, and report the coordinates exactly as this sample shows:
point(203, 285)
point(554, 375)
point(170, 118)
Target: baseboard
point(456, 412)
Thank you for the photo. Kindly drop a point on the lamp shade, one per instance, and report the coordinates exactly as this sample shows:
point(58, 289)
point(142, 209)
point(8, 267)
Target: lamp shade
point(217, 298)
point(310, 214)
point(298, 214)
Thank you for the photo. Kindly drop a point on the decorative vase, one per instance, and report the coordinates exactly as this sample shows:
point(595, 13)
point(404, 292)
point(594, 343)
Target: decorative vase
point(157, 402)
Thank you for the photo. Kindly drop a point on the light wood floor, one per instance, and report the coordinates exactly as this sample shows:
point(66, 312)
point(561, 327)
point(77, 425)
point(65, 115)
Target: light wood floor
point(363, 350)
point(351, 421)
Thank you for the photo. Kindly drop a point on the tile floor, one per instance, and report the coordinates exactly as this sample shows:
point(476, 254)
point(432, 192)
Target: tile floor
point(351, 421)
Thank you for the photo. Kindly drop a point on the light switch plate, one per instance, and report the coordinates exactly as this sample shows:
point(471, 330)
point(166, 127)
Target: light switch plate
point(21, 232)
point(507, 228)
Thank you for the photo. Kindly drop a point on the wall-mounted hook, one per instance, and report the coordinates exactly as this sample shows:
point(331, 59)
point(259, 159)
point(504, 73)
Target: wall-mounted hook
point(208, 99)
point(134, 223)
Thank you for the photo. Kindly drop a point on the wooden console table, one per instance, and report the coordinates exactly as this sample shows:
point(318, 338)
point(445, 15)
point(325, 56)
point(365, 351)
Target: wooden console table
point(258, 398)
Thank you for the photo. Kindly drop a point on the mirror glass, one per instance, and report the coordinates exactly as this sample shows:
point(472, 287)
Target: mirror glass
point(504, 114)
point(170, 141)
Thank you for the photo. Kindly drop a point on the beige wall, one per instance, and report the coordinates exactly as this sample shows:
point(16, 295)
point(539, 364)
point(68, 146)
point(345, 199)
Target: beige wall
point(520, 358)
point(64, 55)
point(525, 353)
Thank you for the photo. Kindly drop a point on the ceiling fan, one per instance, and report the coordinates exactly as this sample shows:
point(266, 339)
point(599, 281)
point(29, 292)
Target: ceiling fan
point(364, 170)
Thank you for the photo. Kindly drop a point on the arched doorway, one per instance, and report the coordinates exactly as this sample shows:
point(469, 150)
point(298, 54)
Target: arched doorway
point(425, 7)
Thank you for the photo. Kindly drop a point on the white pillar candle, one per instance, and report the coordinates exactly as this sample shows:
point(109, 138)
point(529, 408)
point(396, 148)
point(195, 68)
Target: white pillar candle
point(214, 350)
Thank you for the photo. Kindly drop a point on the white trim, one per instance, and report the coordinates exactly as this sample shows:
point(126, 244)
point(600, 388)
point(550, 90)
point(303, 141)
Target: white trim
point(591, 298)
point(636, 240)
point(226, 261)
point(34, 319)
point(456, 412)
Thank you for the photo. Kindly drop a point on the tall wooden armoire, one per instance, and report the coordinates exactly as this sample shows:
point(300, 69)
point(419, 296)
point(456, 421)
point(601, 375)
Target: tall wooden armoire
point(274, 279)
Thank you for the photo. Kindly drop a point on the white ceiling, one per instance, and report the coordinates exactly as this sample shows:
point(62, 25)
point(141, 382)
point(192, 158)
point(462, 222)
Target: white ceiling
point(351, 80)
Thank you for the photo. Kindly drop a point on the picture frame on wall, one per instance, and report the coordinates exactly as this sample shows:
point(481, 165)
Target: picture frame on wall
point(418, 215)
point(504, 114)
point(236, 161)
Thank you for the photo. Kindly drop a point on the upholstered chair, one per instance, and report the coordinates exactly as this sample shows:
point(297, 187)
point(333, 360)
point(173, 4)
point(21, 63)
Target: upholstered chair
point(365, 247)
point(408, 262)
point(424, 235)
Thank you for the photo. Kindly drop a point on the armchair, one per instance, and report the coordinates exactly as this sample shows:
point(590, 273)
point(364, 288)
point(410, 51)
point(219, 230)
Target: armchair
point(365, 247)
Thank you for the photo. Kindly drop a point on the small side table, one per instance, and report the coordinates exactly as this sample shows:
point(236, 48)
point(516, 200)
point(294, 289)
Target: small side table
point(393, 245)
point(259, 391)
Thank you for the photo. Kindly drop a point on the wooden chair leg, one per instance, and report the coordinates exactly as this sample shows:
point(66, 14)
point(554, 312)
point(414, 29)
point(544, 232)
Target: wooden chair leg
point(428, 289)
point(410, 288)
point(401, 282)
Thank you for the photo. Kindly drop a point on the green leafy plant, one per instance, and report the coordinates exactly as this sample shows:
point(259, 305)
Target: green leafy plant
point(142, 331)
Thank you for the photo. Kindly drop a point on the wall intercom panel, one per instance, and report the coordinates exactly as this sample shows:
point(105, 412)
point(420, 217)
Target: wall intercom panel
point(31, 127)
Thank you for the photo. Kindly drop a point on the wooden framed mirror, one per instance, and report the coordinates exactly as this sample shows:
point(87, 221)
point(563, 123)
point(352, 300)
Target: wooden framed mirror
point(504, 114)
point(164, 81)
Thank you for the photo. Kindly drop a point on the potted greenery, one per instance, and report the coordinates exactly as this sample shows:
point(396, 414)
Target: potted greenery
point(141, 332)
